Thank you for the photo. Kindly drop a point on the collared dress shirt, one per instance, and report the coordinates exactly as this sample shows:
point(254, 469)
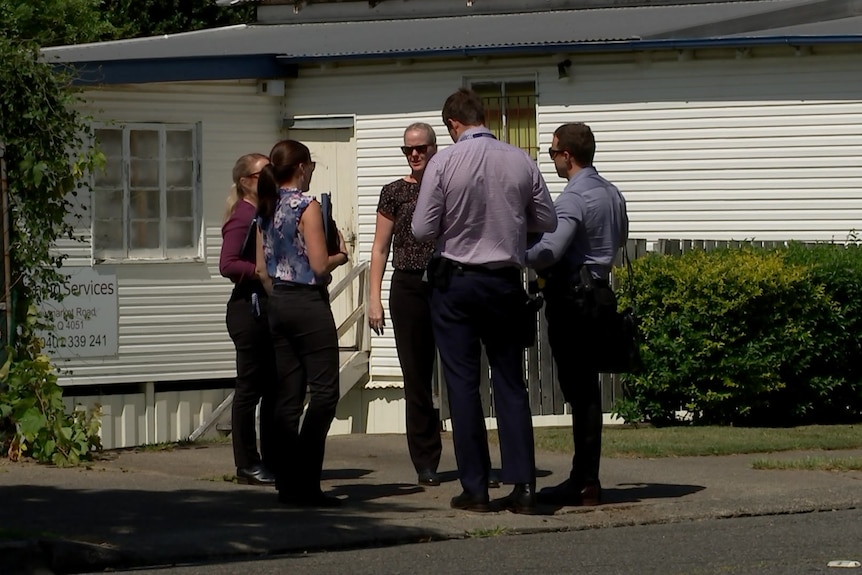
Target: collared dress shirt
point(479, 198)
point(592, 224)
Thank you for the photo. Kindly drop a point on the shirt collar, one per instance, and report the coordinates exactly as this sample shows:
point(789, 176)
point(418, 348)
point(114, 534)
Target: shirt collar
point(474, 130)
point(583, 173)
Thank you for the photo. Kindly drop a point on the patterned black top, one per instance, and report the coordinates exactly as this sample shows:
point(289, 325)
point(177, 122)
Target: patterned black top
point(397, 202)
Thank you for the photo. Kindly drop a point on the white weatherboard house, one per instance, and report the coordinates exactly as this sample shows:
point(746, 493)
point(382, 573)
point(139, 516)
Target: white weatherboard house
point(718, 120)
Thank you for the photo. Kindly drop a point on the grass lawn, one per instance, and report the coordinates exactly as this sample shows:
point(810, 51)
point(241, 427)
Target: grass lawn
point(690, 441)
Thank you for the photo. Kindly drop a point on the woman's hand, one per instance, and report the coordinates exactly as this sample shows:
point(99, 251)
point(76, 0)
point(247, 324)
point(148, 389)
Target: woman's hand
point(376, 317)
point(342, 251)
point(342, 245)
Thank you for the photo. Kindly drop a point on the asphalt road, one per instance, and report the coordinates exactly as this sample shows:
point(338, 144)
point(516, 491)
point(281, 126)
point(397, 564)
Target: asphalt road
point(781, 544)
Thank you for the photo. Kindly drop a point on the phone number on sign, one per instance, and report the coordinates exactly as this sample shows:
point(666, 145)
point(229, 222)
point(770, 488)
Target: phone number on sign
point(75, 341)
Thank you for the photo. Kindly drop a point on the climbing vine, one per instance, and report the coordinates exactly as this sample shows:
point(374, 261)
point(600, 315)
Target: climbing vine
point(48, 156)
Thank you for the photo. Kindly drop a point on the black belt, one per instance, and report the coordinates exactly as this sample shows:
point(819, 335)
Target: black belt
point(244, 290)
point(291, 286)
point(507, 272)
point(410, 272)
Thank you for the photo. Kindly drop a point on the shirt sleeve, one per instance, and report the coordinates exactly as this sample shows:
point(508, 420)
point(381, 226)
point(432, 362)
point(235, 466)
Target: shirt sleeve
point(231, 264)
point(541, 215)
point(551, 248)
point(429, 206)
point(387, 205)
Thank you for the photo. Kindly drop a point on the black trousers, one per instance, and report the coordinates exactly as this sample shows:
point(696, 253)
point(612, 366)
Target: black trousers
point(569, 331)
point(306, 358)
point(478, 309)
point(255, 382)
point(409, 304)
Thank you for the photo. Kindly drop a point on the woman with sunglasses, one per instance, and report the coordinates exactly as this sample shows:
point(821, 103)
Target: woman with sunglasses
point(248, 327)
point(293, 261)
point(409, 300)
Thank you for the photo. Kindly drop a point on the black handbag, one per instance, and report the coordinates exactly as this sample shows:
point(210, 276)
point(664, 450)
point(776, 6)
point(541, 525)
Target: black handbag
point(330, 231)
point(617, 341)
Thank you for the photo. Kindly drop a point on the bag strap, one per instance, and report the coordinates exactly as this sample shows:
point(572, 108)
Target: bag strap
point(630, 288)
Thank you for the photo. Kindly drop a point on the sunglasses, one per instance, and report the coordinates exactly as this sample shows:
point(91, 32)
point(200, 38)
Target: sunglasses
point(254, 175)
point(407, 150)
point(553, 153)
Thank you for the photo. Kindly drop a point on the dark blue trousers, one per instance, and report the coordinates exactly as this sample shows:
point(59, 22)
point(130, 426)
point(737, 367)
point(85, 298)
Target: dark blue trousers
point(481, 309)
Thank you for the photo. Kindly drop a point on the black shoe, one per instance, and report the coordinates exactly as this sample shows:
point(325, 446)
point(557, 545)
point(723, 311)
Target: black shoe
point(567, 493)
point(255, 475)
point(428, 478)
point(306, 499)
point(522, 499)
point(494, 480)
point(469, 502)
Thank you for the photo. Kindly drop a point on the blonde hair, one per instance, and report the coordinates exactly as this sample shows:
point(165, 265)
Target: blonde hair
point(241, 169)
point(423, 127)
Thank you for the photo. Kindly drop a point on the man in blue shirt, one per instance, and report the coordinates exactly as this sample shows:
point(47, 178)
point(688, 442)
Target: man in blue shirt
point(479, 198)
point(592, 225)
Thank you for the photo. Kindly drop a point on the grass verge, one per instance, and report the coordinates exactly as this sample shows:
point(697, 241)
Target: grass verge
point(647, 442)
point(811, 464)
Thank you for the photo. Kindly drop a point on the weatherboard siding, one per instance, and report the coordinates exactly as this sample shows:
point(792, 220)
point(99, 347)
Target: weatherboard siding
point(759, 148)
point(171, 315)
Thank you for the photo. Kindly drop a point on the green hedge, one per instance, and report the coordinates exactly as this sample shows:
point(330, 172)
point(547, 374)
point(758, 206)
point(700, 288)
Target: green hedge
point(749, 336)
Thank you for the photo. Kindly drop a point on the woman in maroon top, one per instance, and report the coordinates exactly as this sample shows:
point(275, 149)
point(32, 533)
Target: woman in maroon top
point(248, 326)
point(409, 300)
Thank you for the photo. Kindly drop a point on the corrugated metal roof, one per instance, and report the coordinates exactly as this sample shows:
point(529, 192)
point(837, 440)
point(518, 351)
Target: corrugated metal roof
point(843, 27)
point(511, 33)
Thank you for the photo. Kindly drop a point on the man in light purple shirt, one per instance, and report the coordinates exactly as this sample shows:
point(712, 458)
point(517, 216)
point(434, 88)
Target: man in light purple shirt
point(593, 226)
point(479, 198)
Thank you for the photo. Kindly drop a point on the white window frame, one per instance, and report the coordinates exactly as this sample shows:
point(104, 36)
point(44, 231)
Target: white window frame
point(162, 254)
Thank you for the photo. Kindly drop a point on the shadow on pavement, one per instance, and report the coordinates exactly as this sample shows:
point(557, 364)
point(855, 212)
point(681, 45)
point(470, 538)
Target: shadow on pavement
point(131, 527)
point(635, 492)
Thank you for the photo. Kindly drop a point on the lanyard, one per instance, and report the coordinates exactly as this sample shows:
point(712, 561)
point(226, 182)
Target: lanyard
point(483, 135)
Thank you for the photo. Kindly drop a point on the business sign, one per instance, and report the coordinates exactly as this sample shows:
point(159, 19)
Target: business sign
point(85, 323)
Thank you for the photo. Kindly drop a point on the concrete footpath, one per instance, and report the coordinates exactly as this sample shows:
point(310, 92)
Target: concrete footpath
point(148, 508)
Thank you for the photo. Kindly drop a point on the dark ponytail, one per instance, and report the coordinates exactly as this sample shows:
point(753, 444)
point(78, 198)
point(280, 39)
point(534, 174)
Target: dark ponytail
point(285, 158)
point(267, 193)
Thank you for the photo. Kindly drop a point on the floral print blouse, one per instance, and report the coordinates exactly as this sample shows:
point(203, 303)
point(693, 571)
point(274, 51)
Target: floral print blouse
point(397, 203)
point(283, 246)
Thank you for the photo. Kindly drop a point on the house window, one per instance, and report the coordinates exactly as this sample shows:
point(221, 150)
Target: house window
point(510, 112)
point(146, 203)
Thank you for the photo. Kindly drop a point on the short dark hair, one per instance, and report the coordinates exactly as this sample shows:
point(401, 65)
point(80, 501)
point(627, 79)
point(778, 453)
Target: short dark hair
point(577, 139)
point(466, 107)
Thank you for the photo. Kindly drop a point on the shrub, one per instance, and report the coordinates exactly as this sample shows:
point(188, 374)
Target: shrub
point(732, 336)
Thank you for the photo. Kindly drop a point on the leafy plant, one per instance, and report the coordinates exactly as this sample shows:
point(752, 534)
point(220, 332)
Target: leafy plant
point(744, 336)
point(55, 22)
point(33, 418)
point(48, 155)
point(134, 18)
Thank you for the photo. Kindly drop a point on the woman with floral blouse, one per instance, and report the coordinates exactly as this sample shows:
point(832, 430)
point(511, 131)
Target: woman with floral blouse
point(293, 261)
